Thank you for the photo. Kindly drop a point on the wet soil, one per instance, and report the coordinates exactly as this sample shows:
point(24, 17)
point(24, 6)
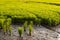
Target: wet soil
point(38, 33)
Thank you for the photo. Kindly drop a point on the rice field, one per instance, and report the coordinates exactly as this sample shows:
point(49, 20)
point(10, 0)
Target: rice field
point(33, 16)
point(41, 12)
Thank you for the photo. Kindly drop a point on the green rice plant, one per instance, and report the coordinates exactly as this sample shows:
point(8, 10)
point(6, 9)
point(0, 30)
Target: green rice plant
point(20, 31)
point(1, 22)
point(4, 29)
point(30, 30)
point(0, 25)
point(31, 23)
point(8, 23)
point(25, 25)
point(38, 22)
point(10, 30)
point(49, 22)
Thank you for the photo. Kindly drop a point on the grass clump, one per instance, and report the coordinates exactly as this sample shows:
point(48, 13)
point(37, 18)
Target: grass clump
point(25, 25)
point(8, 23)
point(5, 24)
point(10, 30)
point(31, 23)
point(4, 29)
point(20, 31)
point(2, 22)
point(30, 30)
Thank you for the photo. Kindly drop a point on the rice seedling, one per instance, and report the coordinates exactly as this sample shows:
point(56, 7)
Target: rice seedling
point(20, 31)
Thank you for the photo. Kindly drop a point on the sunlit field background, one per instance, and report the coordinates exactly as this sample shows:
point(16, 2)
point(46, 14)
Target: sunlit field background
point(39, 11)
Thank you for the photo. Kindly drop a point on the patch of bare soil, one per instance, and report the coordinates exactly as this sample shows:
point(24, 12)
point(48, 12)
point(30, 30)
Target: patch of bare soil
point(39, 33)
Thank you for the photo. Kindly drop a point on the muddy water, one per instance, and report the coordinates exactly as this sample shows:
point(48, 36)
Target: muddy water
point(39, 33)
